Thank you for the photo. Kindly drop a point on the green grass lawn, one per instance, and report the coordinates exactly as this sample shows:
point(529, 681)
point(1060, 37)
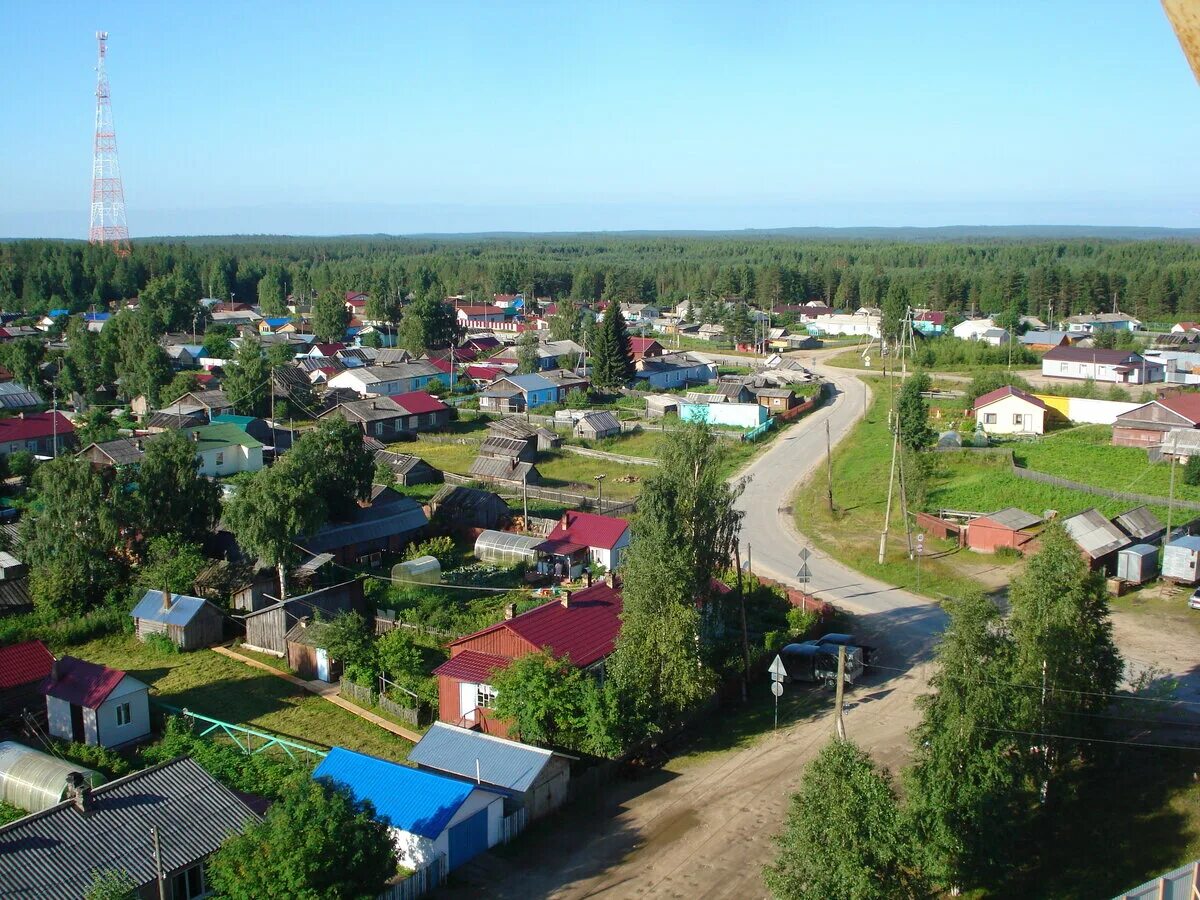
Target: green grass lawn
point(643, 443)
point(449, 457)
point(214, 685)
point(1086, 454)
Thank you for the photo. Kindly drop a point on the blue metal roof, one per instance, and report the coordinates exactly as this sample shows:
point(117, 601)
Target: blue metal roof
point(1188, 542)
point(276, 321)
point(504, 763)
point(530, 382)
point(183, 608)
point(57, 313)
point(414, 801)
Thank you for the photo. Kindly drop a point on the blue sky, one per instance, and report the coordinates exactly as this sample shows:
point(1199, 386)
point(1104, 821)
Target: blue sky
point(319, 118)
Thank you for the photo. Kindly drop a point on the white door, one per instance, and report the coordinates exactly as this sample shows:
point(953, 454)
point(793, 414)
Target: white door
point(322, 664)
point(1027, 422)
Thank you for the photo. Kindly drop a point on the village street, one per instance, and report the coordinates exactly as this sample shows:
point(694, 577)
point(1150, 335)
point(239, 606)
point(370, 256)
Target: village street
point(704, 830)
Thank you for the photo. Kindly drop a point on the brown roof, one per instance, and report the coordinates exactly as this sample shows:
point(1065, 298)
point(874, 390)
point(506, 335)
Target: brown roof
point(1085, 354)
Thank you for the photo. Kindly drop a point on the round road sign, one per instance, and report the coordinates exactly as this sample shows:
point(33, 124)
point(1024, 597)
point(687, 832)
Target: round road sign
point(777, 688)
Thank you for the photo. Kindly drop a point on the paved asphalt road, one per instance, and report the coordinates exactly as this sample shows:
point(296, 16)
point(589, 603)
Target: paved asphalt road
point(904, 624)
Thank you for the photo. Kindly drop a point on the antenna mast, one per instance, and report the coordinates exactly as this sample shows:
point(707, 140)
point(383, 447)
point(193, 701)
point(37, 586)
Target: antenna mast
point(108, 224)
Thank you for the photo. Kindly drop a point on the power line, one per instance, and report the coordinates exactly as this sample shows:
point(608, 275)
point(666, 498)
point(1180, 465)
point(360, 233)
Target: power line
point(1068, 737)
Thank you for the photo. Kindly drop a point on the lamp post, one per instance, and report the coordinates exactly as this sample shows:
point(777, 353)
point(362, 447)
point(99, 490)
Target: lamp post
point(600, 488)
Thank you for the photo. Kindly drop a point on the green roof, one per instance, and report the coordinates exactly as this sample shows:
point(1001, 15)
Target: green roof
point(231, 419)
point(215, 437)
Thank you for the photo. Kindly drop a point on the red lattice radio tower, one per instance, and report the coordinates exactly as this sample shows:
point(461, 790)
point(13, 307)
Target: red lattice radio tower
point(108, 224)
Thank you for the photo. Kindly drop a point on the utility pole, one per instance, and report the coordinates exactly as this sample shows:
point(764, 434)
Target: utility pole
point(1171, 493)
point(160, 877)
point(841, 682)
point(828, 468)
point(54, 418)
point(737, 563)
point(525, 496)
point(600, 488)
point(887, 514)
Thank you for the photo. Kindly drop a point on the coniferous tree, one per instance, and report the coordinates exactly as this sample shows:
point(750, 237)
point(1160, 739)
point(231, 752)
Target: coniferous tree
point(912, 413)
point(247, 380)
point(329, 316)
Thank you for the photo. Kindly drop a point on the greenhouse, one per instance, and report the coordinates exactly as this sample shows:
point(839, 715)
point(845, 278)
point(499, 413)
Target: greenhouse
point(33, 780)
point(422, 570)
point(507, 547)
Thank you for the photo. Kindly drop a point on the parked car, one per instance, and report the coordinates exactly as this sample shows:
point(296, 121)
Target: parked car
point(1194, 600)
point(817, 663)
point(848, 640)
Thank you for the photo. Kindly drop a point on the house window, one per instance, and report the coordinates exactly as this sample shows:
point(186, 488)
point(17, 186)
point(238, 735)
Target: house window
point(188, 884)
point(220, 457)
point(378, 429)
point(123, 715)
point(485, 696)
point(1017, 419)
point(1062, 367)
point(989, 418)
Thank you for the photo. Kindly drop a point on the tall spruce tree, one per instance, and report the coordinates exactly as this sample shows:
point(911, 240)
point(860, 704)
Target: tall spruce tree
point(912, 413)
point(612, 359)
point(330, 316)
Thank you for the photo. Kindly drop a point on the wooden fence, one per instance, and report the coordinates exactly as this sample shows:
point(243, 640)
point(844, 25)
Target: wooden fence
point(365, 696)
point(511, 826)
point(573, 501)
point(419, 883)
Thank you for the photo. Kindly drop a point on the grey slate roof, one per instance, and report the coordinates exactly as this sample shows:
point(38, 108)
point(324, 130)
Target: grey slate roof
point(15, 596)
point(51, 855)
point(503, 468)
point(17, 396)
point(504, 763)
point(1095, 535)
point(122, 451)
point(401, 463)
point(401, 516)
point(378, 409)
point(597, 422)
point(171, 421)
point(495, 445)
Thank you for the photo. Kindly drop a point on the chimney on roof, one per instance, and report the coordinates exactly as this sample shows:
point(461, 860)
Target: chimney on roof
point(510, 610)
point(566, 600)
point(78, 791)
point(54, 672)
point(166, 599)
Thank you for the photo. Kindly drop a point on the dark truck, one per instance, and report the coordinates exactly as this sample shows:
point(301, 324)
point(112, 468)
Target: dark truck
point(847, 640)
point(818, 663)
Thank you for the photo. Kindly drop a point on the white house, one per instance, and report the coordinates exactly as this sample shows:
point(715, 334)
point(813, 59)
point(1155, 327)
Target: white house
point(972, 329)
point(605, 537)
point(429, 814)
point(1090, 324)
point(1115, 366)
point(1008, 410)
point(370, 381)
point(858, 323)
point(225, 449)
point(92, 704)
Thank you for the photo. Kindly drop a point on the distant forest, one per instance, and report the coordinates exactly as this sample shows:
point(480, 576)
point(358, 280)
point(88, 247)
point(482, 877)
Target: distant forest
point(1155, 280)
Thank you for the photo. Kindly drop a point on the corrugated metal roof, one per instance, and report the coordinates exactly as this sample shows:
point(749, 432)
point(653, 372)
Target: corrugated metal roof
point(182, 610)
point(1095, 535)
point(507, 764)
point(1012, 518)
point(81, 682)
point(414, 801)
point(472, 665)
point(1187, 542)
point(399, 517)
point(24, 663)
point(15, 596)
point(1140, 523)
point(503, 468)
point(54, 854)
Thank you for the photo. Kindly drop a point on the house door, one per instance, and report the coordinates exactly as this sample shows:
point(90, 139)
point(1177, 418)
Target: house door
point(1027, 422)
point(77, 734)
point(468, 839)
point(322, 664)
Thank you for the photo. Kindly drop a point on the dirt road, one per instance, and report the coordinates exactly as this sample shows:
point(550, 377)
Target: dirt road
point(704, 830)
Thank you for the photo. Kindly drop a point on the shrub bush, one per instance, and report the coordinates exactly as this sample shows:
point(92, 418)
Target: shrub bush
point(440, 548)
point(801, 621)
point(774, 641)
point(1191, 471)
point(161, 644)
point(108, 762)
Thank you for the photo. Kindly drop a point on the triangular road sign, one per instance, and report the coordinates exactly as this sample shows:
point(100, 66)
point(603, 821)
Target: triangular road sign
point(777, 670)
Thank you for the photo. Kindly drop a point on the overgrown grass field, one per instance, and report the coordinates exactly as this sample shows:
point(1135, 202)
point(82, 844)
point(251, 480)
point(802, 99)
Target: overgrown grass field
point(1085, 454)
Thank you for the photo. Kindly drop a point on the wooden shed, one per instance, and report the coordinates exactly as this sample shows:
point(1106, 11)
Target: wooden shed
point(463, 507)
point(190, 622)
point(307, 653)
point(597, 425)
point(267, 628)
point(409, 470)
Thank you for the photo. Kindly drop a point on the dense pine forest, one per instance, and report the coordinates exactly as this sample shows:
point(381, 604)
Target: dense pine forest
point(1154, 280)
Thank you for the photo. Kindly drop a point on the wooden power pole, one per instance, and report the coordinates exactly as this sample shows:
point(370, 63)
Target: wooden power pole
point(841, 681)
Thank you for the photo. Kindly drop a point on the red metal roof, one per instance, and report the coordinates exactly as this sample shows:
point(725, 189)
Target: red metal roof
point(24, 663)
point(471, 665)
point(583, 631)
point(81, 682)
point(589, 529)
point(1186, 405)
point(1105, 357)
point(641, 344)
point(1008, 391)
point(442, 365)
point(418, 402)
point(560, 548)
point(480, 310)
point(931, 315)
point(330, 349)
point(32, 426)
point(485, 373)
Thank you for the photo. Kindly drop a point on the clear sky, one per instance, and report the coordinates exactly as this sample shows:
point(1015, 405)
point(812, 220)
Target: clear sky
point(403, 117)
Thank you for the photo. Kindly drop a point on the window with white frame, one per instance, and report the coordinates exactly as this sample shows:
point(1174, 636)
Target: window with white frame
point(1017, 419)
point(220, 457)
point(1062, 367)
point(123, 715)
point(485, 696)
point(989, 418)
point(378, 429)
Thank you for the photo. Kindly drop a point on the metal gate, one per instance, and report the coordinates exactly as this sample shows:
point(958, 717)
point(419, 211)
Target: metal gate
point(468, 838)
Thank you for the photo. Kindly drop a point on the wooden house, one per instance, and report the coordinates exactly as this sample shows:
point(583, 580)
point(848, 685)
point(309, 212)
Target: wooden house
point(308, 653)
point(1148, 424)
point(114, 454)
point(776, 400)
point(597, 425)
point(191, 623)
point(409, 470)
point(267, 628)
point(464, 507)
point(1009, 527)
